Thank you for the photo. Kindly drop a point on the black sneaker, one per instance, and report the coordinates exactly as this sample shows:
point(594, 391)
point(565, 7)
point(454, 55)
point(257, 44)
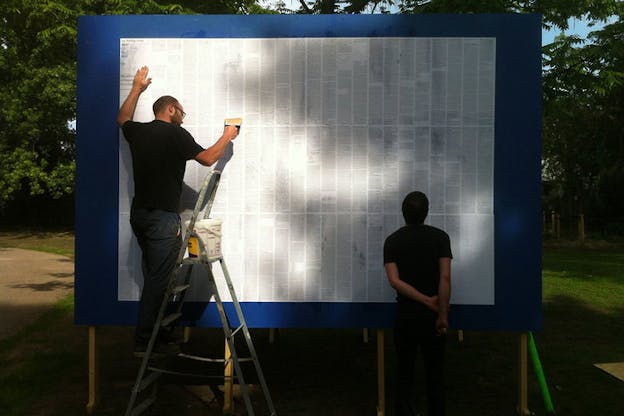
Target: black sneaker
point(160, 350)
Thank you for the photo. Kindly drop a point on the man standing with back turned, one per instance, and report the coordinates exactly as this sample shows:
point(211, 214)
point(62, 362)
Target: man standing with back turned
point(417, 259)
point(159, 150)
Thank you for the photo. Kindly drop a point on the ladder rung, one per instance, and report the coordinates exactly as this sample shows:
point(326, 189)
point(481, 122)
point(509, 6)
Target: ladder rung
point(198, 260)
point(169, 319)
point(143, 406)
point(145, 383)
point(185, 374)
point(198, 358)
point(236, 330)
point(208, 360)
point(179, 288)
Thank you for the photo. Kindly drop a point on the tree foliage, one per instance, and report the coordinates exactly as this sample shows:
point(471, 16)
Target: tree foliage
point(583, 132)
point(38, 75)
point(555, 12)
point(337, 6)
point(583, 86)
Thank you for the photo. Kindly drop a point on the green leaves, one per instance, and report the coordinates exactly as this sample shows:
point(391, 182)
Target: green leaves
point(583, 84)
point(336, 6)
point(24, 170)
point(583, 139)
point(38, 74)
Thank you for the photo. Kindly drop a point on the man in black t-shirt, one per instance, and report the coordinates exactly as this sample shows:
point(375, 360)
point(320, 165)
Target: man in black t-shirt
point(417, 259)
point(159, 150)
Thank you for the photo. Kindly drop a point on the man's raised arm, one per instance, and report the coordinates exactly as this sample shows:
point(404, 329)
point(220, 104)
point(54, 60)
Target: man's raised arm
point(214, 152)
point(139, 84)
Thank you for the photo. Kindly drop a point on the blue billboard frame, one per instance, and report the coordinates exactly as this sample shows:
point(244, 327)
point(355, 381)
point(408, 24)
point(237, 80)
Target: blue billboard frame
point(517, 162)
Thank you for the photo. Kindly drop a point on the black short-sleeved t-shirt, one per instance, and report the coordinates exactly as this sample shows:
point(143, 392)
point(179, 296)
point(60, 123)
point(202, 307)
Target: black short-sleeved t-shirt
point(159, 154)
point(416, 249)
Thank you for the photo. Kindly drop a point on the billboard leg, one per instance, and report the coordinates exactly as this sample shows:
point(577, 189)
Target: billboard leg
point(523, 406)
point(381, 377)
point(228, 383)
point(93, 371)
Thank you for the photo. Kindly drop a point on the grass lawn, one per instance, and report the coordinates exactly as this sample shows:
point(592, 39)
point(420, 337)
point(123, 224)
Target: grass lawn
point(583, 301)
point(331, 372)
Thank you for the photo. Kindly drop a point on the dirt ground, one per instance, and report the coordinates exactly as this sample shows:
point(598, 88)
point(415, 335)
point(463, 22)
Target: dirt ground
point(309, 371)
point(30, 283)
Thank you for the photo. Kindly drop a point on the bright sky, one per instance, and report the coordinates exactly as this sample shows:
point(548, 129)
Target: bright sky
point(576, 27)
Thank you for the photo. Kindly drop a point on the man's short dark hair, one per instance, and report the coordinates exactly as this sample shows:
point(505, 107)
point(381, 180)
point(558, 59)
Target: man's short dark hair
point(415, 208)
point(163, 102)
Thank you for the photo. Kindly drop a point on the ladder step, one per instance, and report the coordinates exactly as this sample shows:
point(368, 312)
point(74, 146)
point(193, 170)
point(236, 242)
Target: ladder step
point(244, 359)
point(169, 319)
point(204, 359)
point(179, 288)
point(198, 260)
point(143, 406)
point(147, 381)
point(186, 374)
point(176, 287)
point(209, 360)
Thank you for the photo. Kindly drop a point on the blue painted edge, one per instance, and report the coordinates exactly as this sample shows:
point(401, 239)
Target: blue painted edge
point(517, 187)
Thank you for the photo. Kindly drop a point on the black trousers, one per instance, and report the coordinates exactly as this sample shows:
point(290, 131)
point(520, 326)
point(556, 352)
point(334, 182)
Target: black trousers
point(411, 336)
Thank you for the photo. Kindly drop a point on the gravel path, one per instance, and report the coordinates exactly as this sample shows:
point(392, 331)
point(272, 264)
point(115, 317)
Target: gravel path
point(30, 283)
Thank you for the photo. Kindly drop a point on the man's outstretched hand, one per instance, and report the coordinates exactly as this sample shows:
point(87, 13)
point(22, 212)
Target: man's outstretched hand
point(139, 84)
point(141, 81)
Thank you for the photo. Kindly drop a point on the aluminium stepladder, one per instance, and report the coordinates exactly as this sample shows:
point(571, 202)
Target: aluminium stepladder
point(148, 375)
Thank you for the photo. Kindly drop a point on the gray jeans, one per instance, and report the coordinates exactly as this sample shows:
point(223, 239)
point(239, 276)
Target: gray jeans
point(158, 234)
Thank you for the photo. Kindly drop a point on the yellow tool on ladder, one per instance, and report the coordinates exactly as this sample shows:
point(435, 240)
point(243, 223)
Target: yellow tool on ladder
point(202, 256)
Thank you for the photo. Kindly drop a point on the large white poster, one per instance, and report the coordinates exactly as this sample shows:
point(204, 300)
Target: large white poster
point(336, 131)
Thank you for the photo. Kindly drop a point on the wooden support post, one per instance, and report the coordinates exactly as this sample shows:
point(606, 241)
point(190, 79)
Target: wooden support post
point(381, 374)
point(365, 335)
point(228, 382)
point(460, 335)
point(523, 395)
point(93, 371)
point(581, 228)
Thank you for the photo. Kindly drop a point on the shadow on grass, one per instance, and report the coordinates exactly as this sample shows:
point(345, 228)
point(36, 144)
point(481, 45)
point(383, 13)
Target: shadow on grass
point(576, 336)
point(482, 372)
point(332, 372)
